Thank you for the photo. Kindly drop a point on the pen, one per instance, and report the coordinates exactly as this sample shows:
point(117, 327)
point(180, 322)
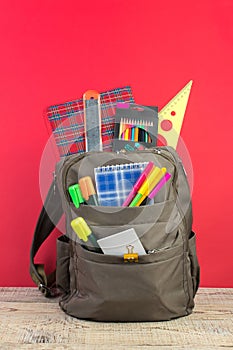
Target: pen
point(147, 186)
point(132, 134)
point(139, 183)
point(83, 231)
point(126, 135)
point(120, 129)
point(154, 182)
point(146, 133)
point(123, 131)
point(158, 187)
point(88, 190)
point(76, 195)
point(141, 134)
point(136, 134)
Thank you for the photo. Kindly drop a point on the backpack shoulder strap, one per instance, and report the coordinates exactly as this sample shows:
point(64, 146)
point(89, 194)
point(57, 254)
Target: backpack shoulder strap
point(45, 225)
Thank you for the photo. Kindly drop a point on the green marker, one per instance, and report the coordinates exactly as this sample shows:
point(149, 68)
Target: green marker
point(148, 185)
point(83, 231)
point(76, 195)
point(136, 200)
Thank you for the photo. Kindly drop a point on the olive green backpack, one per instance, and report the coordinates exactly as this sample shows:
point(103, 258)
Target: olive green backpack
point(100, 287)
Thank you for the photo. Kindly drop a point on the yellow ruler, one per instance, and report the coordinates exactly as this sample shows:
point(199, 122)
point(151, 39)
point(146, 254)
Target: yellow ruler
point(171, 118)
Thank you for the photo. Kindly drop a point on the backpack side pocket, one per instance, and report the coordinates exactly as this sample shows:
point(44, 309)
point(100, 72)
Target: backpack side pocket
point(195, 268)
point(63, 264)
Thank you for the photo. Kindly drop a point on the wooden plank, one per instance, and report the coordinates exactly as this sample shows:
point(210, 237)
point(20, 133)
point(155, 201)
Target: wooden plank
point(27, 318)
point(25, 294)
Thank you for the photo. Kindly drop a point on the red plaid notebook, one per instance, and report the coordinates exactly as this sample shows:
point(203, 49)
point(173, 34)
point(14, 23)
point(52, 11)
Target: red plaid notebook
point(66, 121)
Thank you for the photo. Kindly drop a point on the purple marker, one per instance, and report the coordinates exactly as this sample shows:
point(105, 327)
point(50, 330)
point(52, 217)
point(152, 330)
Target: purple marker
point(138, 183)
point(158, 187)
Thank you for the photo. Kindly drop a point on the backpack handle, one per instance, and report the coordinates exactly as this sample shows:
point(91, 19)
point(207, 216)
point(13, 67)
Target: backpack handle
point(44, 227)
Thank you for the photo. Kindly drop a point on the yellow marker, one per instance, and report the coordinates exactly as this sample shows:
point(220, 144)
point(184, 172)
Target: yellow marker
point(147, 186)
point(83, 231)
point(171, 117)
point(152, 185)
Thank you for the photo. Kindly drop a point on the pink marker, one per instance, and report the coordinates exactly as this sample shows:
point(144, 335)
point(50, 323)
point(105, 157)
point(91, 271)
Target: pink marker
point(138, 183)
point(123, 105)
point(159, 185)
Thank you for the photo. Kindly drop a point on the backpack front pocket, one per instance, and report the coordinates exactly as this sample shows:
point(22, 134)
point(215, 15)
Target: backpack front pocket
point(107, 289)
point(101, 215)
point(155, 225)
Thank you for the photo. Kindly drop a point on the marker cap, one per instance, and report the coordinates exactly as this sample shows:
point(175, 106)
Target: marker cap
point(76, 195)
point(81, 228)
point(87, 187)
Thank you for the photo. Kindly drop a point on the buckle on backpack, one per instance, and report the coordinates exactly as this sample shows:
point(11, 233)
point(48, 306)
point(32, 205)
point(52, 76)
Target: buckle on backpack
point(48, 292)
point(44, 289)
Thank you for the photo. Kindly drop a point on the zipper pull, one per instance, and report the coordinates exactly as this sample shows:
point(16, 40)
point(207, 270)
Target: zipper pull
point(156, 150)
point(54, 182)
point(121, 151)
point(155, 250)
point(182, 166)
point(152, 251)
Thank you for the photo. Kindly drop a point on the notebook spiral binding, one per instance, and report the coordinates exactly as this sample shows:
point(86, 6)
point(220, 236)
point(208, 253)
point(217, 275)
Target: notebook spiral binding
point(128, 166)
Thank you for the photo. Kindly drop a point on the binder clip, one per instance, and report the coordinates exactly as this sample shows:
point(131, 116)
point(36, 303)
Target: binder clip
point(130, 256)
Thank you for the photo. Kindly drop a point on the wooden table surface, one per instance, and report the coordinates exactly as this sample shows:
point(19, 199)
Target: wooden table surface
point(28, 320)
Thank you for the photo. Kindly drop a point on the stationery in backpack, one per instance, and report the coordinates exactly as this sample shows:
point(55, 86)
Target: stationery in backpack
point(67, 121)
point(136, 127)
point(117, 244)
point(171, 118)
point(114, 182)
point(92, 121)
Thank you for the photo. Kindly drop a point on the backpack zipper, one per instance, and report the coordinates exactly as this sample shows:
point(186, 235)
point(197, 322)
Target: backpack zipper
point(156, 250)
point(54, 182)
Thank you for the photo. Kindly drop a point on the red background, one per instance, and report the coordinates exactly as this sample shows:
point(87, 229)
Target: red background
point(53, 51)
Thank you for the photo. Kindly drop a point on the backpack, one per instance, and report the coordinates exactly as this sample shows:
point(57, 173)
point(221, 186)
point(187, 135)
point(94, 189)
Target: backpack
point(95, 286)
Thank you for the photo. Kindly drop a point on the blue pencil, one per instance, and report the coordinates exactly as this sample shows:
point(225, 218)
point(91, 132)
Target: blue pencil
point(132, 135)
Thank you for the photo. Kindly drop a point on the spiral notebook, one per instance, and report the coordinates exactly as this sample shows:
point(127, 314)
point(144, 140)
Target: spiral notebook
point(114, 182)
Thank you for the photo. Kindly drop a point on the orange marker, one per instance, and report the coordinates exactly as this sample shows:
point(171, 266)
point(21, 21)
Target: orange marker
point(88, 190)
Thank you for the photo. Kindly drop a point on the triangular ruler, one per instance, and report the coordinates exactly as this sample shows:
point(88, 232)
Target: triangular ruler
point(171, 118)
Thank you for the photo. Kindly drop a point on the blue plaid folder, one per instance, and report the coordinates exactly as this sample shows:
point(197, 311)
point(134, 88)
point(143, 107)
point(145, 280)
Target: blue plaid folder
point(114, 182)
